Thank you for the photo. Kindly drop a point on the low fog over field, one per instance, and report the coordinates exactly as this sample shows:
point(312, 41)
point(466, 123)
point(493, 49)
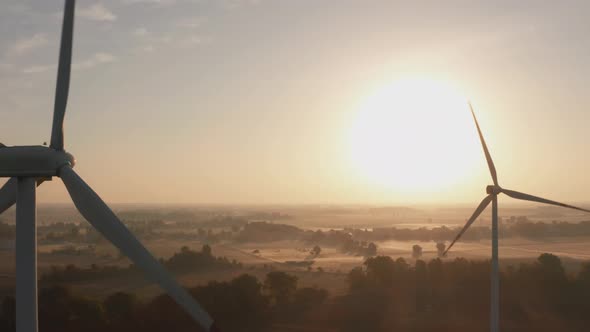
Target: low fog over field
point(259, 236)
point(332, 257)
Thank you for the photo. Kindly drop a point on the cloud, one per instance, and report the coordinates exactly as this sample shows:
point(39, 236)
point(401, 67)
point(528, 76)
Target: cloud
point(191, 41)
point(95, 60)
point(191, 23)
point(233, 4)
point(151, 43)
point(162, 40)
point(6, 66)
point(97, 12)
point(152, 2)
point(37, 69)
point(27, 45)
point(141, 32)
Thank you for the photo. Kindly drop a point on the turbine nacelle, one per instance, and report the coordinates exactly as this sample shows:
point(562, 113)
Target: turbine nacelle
point(33, 161)
point(493, 190)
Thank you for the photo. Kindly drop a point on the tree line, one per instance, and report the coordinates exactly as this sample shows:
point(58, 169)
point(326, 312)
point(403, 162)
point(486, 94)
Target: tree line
point(384, 294)
point(241, 304)
point(186, 260)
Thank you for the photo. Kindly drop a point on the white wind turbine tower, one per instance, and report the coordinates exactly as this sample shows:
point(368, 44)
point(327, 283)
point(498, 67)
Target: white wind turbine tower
point(493, 191)
point(29, 166)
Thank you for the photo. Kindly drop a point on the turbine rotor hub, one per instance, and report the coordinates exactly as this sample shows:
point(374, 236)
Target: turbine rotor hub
point(493, 190)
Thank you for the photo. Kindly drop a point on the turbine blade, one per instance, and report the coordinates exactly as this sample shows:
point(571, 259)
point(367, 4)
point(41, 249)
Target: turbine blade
point(527, 197)
point(104, 220)
point(63, 76)
point(8, 194)
point(482, 206)
point(485, 149)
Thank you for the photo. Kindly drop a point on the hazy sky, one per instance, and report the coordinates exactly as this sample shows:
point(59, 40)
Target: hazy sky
point(253, 101)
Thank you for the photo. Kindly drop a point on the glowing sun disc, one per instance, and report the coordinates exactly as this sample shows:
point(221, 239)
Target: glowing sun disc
point(414, 135)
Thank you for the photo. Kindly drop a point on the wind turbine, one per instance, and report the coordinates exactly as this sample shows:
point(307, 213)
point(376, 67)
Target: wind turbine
point(29, 166)
point(493, 191)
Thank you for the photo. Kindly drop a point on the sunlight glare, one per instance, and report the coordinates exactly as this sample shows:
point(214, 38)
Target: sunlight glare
point(415, 135)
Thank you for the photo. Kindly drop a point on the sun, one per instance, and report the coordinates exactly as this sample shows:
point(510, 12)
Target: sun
point(414, 135)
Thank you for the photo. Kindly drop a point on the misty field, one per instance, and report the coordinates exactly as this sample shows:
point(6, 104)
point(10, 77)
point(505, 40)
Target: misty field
point(276, 256)
point(64, 241)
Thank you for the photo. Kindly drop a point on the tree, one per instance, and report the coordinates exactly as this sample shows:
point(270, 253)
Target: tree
point(237, 305)
point(371, 249)
point(74, 231)
point(551, 264)
point(440, 248)
point(251, 304)
point(54, 308)
point(120, 306)
point(59, 310)
point(281, 286)
point(306, 298)
point(86, 315)
point(584, 274)
point(421, 279)
point(348, 244)
point(316, 250)
point(364, 311)
point(162, 313)
point(380, 270)
point(584, 285)
point(551, 270)
point(435, 268)
point(207, 250)
point(416, 251)
point(356, 278)
point(8, 313)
